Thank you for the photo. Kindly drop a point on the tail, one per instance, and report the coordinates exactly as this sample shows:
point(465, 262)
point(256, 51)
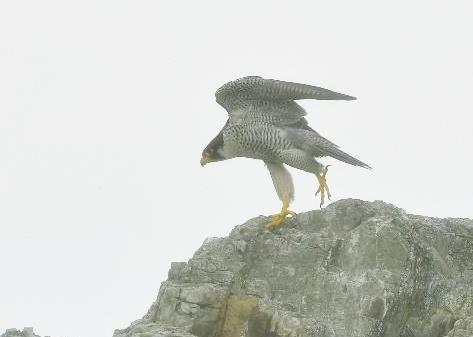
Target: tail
point(346, 158)
point(311, 141)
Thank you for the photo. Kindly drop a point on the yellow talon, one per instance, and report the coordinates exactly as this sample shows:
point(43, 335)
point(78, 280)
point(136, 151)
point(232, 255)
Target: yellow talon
point(278, 219)
point(323, 186)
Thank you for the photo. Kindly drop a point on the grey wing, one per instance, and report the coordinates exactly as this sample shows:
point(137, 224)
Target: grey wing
point(268, 100)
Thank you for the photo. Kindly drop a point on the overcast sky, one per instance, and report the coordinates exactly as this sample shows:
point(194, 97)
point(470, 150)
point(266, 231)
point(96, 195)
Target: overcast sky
point(105, 107)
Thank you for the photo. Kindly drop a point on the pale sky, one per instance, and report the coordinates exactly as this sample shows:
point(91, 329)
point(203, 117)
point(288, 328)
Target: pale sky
point(105, 107)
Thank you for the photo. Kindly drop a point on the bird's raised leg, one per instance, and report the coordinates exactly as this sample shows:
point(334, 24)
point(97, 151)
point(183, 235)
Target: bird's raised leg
point(278, 219)
point(322, 186)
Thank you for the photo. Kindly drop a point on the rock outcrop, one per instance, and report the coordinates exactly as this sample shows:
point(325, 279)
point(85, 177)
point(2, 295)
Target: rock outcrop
point(26, 332)
point(353, 269)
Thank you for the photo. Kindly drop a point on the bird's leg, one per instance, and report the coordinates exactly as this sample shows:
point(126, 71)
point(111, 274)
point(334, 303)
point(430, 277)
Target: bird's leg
point(278, 219)
point(322, 186)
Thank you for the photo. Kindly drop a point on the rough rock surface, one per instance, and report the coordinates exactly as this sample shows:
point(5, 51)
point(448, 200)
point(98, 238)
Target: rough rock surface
point(353, 269)
point(26, 332)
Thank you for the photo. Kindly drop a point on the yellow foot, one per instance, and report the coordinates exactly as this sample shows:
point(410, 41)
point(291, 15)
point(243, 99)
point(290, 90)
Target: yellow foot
point(278, 219)
point(323, 186)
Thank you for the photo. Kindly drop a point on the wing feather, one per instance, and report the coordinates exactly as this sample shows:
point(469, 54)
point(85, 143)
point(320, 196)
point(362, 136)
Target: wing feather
point(270, 112)
point(269, 101)
point(280, 90)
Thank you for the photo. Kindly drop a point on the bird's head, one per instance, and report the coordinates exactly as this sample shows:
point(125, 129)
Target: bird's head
point(213, 151)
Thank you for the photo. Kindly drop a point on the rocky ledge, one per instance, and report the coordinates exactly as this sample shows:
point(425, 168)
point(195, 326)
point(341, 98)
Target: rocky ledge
point(353, 269)
point(26, 332)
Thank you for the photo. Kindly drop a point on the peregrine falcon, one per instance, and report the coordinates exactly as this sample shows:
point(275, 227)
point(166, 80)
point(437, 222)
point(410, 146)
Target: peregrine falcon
point(264, 122)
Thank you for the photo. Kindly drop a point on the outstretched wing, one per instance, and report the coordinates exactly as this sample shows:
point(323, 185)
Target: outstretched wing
point(254, 98)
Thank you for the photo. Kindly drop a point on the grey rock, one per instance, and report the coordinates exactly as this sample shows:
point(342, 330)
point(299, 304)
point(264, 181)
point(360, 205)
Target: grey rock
point(353, 269)
point(26, 332)
point(462, 328)
point(143, 329)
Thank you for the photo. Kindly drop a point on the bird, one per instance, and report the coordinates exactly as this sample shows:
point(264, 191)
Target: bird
point(265, 123)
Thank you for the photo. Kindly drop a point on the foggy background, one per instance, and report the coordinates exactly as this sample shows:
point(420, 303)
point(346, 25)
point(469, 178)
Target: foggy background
point(105, 107)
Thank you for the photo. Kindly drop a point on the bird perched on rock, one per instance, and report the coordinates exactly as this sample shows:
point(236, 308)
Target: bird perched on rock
point(265, 123)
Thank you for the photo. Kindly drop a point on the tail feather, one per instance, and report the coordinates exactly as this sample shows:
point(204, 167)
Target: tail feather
point(346, 158)
point(311, 141)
